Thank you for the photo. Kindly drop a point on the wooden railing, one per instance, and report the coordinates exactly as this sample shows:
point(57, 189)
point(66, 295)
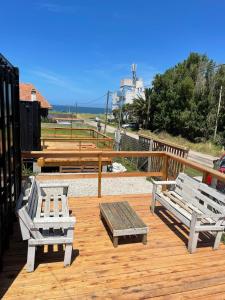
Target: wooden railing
point(72, 132)
point(165, 157)
point(90, 136)
point(154, 144)
point(80, 141)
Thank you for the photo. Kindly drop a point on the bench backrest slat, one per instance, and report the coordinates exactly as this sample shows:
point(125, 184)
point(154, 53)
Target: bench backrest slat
point(203, 197)
point(212, 194)
point(195, 198)
point(185, 182)
point(28, 211)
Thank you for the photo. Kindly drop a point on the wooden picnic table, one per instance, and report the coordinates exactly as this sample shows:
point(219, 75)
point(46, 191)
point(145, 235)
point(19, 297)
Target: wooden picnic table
point(122, 220)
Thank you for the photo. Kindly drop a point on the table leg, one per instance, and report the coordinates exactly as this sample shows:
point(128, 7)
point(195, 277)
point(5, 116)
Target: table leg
point(115, 241)
point(144, 239)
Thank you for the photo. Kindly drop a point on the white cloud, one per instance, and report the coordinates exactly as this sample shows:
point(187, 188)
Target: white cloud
point(58, 8)
point(55, 79)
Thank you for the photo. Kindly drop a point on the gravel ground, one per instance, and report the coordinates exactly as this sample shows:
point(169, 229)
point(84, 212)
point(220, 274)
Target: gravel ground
point(110, 186)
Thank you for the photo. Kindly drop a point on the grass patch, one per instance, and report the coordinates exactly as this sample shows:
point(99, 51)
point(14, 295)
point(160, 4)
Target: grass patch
point(207, 147)
point(91, 116)
point(129, 165)
point(192, 172)
point(48, 128)
point(80, 133)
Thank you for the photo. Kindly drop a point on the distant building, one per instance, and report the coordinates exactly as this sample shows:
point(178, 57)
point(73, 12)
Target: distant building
point(28, 92)
point(130, 88)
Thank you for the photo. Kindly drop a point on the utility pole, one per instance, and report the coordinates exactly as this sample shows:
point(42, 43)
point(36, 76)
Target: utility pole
point(76, 110)
point(148, 109)
point(218, 111)
point(106, 110)
point(120, 111)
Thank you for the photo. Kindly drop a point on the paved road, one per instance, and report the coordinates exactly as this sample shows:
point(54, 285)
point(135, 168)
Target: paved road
point(201, 158)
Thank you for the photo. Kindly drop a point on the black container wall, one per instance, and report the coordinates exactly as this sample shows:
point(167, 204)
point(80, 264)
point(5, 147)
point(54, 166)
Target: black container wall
point(30, 122)
point(10, 152)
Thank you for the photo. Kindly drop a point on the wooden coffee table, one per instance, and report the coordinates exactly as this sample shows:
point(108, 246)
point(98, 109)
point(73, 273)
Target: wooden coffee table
point(122, 220)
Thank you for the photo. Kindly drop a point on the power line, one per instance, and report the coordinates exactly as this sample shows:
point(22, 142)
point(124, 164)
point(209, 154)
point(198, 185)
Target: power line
point(93, 100)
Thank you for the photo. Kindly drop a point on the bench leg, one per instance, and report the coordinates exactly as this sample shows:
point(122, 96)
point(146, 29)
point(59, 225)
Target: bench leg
point(30, 258)
point(193, 236)
point(192, 243)
point(115, 241)
point(217, 240)
point(68, 255)
point(144, 239)
point(153, 199)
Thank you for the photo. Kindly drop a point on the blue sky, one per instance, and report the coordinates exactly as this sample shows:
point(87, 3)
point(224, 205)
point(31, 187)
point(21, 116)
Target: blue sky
point(74, 51)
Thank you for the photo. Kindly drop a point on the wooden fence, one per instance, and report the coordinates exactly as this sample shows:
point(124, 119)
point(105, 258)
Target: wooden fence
point(166, 159)
point(153, 163)
point(74, 135)
point(80, 143)
point(73, 132)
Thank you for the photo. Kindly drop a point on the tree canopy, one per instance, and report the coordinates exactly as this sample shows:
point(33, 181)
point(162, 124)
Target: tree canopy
point(184, 100)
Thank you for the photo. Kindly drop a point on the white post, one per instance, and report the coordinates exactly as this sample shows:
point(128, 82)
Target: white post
point(218, 111)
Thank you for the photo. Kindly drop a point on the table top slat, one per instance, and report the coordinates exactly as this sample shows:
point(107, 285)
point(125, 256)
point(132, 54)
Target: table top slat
point(111, 214)
point(121, 216)
point(131, 215)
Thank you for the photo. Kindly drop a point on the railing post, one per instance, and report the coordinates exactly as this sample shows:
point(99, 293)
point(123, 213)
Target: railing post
point(204, 177)
point(165, 169)
point(99, 176)
point(150, 158)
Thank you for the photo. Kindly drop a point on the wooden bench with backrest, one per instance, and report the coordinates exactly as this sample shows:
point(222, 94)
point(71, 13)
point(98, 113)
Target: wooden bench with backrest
point(45, 220)
point(198, 206)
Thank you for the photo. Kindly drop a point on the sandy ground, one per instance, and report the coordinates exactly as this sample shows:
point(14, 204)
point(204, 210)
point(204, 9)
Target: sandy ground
point(110, 186)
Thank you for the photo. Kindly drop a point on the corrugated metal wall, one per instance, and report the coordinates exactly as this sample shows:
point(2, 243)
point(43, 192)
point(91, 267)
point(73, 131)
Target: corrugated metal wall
point(10, 154)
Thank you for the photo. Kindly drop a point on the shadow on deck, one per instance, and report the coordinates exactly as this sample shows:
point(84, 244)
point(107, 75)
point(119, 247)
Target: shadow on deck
point(162, 268)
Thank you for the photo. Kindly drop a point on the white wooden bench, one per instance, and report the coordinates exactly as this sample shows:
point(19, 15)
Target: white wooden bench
point(45, 220)
point(198, 206)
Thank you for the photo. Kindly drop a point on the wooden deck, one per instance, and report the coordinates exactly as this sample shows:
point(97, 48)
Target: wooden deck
point(162, 269)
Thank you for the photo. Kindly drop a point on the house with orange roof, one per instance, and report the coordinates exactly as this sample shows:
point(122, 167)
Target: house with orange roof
point(28, 92)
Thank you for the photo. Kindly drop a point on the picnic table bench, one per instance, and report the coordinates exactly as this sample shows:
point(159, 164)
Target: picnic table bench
point(45, 220)
point(195, 204)
point(122, 220)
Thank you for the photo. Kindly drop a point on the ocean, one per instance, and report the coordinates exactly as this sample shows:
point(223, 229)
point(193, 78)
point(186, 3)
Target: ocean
point(80, 109)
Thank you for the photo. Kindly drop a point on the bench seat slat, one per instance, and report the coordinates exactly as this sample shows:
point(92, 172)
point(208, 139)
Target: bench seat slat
point(50, 241)
point(65, 207)
point(180, 213)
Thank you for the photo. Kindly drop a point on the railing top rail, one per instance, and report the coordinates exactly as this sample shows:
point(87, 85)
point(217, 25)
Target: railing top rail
point(65, 138)
point(78, 129)
point(111, 154)
point(165, 142)
point(36, 154)
point(100, 133)
point(66, 128)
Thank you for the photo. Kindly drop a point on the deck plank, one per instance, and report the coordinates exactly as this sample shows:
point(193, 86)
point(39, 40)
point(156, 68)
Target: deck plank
point(163, 269)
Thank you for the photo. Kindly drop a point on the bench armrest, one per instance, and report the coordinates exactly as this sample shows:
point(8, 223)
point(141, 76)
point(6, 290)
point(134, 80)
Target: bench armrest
point(163, 182)
point(54, 185)
point(50, 222)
